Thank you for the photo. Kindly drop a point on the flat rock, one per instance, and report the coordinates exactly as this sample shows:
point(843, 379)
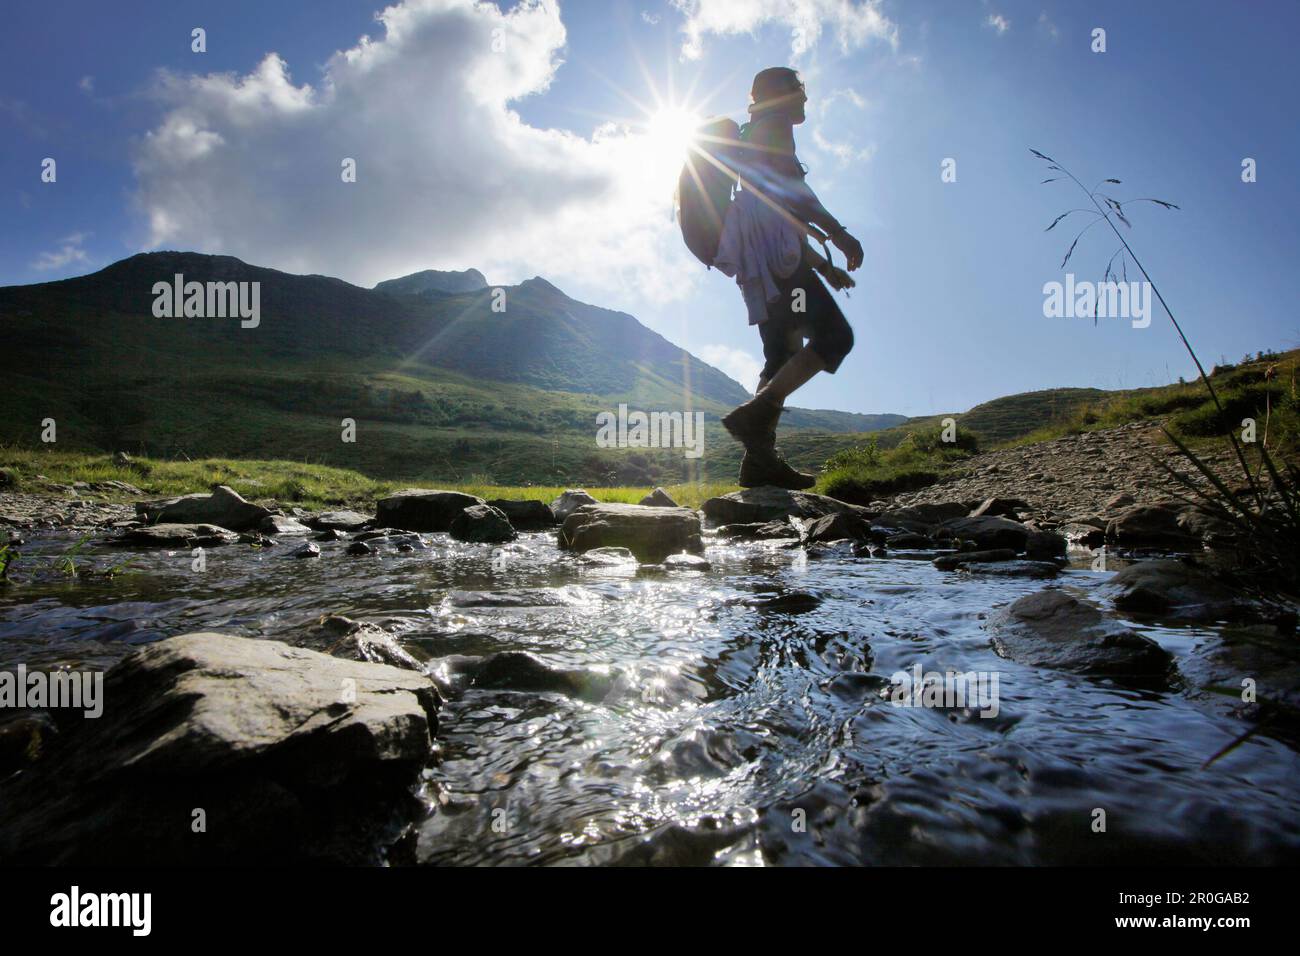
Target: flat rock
point(950, 562)
point(281, 526)
point(1156, 526)
point(652, 534)
point(174, 536)
point(922, 518)
point(293, 756)
point(422, 509)
point(224, 507)
point(1177, 589)
point(338, 521)
point(759, 531)
point(1000, 507)
point(986, 532)
point(758, 505)
point(836, 527)
point(1054, 629)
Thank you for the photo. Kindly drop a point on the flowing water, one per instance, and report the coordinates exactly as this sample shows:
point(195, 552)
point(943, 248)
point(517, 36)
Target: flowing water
point(737, 715)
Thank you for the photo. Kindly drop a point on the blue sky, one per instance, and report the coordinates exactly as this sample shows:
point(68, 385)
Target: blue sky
point(541, 157)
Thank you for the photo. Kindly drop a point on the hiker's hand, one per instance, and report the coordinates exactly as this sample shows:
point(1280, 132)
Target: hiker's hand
point(851, 248)
point(838, 278)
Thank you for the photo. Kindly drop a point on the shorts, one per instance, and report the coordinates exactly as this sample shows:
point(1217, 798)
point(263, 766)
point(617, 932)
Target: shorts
point(821, 322)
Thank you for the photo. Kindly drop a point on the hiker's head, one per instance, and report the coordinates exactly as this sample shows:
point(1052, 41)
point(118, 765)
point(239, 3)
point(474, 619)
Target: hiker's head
point(778, 91)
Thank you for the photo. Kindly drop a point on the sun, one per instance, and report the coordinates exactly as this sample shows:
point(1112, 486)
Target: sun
point(669, 133)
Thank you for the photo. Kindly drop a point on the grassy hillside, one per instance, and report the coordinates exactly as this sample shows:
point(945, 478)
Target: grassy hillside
point(440, 386)
point(911, 456)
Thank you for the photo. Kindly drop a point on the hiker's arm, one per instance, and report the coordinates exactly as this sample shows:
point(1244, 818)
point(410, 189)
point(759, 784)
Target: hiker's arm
point(807, 207)
point(838, 278)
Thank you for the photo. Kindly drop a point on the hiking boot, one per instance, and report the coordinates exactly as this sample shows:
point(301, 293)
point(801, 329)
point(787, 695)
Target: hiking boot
point(753, 424)
point(766, 467)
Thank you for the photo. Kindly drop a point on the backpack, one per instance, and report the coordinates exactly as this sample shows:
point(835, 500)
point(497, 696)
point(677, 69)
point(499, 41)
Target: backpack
point(703, 190)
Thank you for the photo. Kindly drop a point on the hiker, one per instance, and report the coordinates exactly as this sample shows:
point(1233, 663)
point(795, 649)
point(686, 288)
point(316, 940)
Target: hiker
point(759, 231)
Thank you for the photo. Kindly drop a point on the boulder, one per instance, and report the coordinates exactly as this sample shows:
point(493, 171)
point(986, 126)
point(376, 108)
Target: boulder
point(223, 507)
point(650, 533)
point(482, 524)
point(279, 525)
point(1018, 568)
point(338, 521)
point(909, 541)
point(174, 536)
point(921, 518)
point(758, 505)
point(291, 755)
point(1154, 526)
point(1178, 589)
point(986, 532)
point(686, 562)
point(525, 515)
point(836, 527)
point(420, 509)
point(305, 550)
point(1053, 629)
point(1085, 535)
point(1045, 545)
point(1000, 508)
point(570, 501)
point(659, 499)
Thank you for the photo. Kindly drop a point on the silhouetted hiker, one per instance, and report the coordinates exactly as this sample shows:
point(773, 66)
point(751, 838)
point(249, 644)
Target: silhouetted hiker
point(771, 172)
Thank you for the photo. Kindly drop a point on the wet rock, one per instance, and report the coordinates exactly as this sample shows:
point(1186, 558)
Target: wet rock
point(835, 527)
point(652, 534)
point(569, 502)
point(359, 548)
point(376, 533)
point(794, 601)
point(224, 507)
point(305, 550)
point(686, 562)
point(481, 524)
point(174, 536)
point(520, 671)
point(279, 525)
point(1045, 545)
point(921, 518)
point(1053, 629)
point(1012, 569)
point(332, 534)
point(909, 541)
point(759, 531)
point(524, 597)
point(1155, 526)
point(420, 509)
point(1000, 507)
point(608, 557)
point(659, 499)
point(293, 756)
point(1085, 535)
point(526, 515)
point(950, 562)
point(1180, 590)
point(986, 533)
point(352, 640)
point(758, 505)
point(338, 521)
point(257, 540)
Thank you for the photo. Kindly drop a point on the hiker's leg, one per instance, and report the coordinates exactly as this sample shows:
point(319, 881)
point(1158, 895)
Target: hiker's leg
point(830, 338)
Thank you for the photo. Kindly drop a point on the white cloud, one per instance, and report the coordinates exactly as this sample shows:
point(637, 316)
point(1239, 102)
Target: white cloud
point(448, 174)
point(737, 363)
point(86, 84)
point(853, 22)
point(69, 251)
point(998, 22)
